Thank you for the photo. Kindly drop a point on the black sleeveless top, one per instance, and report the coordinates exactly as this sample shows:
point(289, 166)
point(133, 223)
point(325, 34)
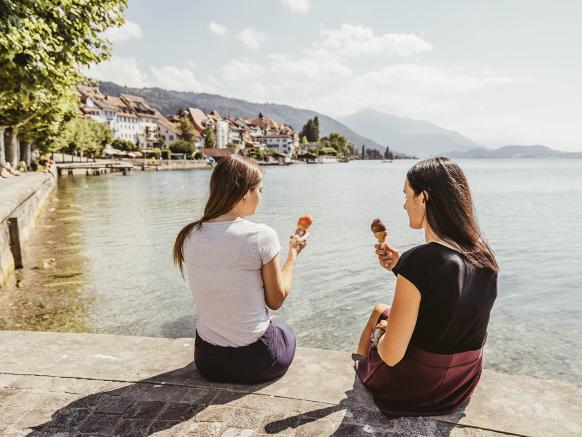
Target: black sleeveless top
point(456, 302)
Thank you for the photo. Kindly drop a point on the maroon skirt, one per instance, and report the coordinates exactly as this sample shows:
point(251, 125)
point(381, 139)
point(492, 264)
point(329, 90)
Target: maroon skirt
point(422, 383)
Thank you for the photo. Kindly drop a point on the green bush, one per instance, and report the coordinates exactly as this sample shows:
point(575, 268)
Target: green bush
point(182, 146)
point(198, 155)
point(166, 154)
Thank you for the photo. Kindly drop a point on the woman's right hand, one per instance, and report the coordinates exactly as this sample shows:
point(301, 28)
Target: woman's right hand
point(387, 255)
point(297, 243)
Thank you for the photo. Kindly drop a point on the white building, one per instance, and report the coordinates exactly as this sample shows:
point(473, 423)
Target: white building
point(221, 134)
point(279, 143)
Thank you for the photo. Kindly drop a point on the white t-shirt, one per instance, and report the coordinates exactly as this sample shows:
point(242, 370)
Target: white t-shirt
point(222, 264)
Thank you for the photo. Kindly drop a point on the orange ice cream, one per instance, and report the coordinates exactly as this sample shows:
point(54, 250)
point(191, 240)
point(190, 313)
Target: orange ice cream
point(303, 224)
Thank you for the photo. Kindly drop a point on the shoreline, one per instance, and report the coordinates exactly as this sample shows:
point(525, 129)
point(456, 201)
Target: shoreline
point(23, 199)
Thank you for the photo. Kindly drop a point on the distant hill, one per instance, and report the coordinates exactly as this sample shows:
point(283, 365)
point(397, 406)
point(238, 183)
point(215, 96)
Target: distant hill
point(168, 102)
point(413, 137)
point(513, 152)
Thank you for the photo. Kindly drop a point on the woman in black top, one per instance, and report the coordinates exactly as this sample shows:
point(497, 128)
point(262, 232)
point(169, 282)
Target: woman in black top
point(428, 359)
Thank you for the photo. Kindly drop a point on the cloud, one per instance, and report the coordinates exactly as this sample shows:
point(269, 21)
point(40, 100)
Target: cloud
point(217, 29)
point(354, 40)
point(123, 71)
point(130, 30)
point(251, 38)
point(301, 6)
point(174, 78)
point(126, 71)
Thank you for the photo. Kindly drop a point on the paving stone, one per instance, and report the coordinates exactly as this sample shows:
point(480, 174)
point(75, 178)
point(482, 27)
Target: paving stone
point(205, 429)
point(113, 405)
point(245, 418)
point(314, 427)
point(196, 395)
point(180, 411)
point(214, 413)
point(163, 425)
point(145, 410)
point(278, 423)
point(99, 424)
point(237, 432)
point(132, 427)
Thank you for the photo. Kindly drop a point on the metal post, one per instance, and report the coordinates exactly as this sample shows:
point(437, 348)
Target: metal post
point(14, 236)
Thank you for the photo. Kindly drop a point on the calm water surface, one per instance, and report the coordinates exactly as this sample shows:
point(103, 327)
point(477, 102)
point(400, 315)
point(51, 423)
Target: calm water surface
point(102, 255)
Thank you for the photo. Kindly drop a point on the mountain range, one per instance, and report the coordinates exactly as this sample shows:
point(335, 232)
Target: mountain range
point(513, 152)
point(413, 137)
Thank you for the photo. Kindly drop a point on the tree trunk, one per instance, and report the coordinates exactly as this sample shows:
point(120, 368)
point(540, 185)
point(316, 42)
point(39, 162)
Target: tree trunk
point(2, 156)
point(11, 145)
point(25, 153)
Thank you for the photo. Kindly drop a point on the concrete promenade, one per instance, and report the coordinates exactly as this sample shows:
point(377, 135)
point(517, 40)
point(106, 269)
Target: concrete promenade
point(71, 384)
point(21, 197)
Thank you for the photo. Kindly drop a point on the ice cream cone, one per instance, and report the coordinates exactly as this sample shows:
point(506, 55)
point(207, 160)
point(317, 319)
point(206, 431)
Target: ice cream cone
point(379, 230)
point(303, 224)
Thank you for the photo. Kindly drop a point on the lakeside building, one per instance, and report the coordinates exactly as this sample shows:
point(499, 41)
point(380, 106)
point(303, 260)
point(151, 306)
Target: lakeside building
point(133, 119)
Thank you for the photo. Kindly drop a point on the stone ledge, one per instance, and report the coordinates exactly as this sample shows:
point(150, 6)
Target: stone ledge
point(117, 385)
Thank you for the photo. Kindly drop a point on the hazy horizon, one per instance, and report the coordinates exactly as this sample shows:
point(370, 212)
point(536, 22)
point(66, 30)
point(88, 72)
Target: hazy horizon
point(500, 73)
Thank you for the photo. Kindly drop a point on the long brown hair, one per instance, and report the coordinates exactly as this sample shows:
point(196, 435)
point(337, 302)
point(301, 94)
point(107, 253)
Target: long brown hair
point(449, 208)
point(231, 179)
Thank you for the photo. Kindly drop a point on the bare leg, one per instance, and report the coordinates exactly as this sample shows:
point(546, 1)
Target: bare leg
point(369, 328)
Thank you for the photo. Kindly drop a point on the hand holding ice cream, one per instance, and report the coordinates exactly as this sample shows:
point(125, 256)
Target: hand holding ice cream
point(387, 255)
point(299, 238)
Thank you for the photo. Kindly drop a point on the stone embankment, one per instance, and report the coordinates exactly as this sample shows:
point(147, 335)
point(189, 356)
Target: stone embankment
point(71, 384)
point(21, 198)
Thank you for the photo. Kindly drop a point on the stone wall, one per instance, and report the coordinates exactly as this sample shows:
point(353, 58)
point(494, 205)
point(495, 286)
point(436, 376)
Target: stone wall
point(22, 197)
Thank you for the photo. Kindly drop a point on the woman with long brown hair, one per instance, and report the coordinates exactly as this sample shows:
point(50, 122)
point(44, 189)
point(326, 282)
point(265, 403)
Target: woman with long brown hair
point(232, 266)
point(423, 354)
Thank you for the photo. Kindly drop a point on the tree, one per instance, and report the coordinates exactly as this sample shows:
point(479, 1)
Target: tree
point(123, 145)
point(338, 142)
point(187, 132)
point(304, 140)
point(388, 154)
point(309, 131)
point(363, 152)
point(316, 128)
point(43, 44)
point(210, 138)
point(182, 146)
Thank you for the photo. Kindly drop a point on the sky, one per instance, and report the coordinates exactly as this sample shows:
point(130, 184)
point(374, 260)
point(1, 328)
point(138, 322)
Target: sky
point(498, 71)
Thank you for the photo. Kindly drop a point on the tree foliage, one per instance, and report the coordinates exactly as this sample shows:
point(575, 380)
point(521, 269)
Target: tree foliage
point(43, 46)
point(187, 132)
point(311, 130)
point(182, 146)
point(339, 143)
point(83, 136)
point(210, 138)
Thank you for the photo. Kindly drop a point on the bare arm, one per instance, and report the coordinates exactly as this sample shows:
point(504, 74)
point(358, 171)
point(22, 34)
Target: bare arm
point(277, 281)
point(401, 322)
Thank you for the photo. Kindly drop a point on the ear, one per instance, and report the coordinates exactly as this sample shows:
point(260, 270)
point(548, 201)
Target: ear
point(425, 197)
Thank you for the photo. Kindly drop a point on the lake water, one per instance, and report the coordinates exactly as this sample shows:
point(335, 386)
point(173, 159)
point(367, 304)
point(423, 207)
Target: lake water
point(102, 255)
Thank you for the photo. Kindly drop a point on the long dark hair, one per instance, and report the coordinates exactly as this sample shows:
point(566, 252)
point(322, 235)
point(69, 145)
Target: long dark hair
point(231, 179)
point(449, 208)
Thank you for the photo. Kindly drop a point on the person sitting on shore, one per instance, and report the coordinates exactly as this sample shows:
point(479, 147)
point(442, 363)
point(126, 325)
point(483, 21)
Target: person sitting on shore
point(232, 266)
point(428, 359)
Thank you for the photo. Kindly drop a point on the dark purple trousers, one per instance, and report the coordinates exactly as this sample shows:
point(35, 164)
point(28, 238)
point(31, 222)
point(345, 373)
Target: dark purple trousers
point(422, 383)
point(264, 360)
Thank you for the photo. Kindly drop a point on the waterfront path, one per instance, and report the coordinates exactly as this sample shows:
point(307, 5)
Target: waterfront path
point(70, 384)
